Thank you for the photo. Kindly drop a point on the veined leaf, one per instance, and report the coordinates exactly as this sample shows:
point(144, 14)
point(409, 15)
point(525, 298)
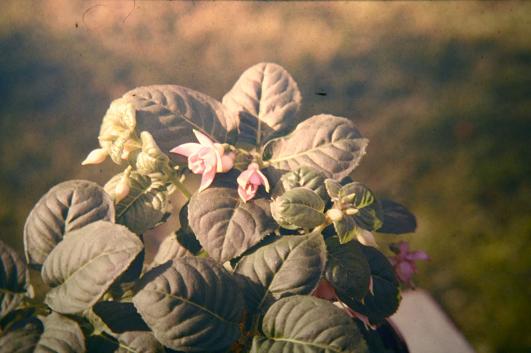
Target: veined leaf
point(384, 302)
point(61, 335)
point(85, 264)
point(67, 206)
point(146, 204)
point(170, 248)
point(347, 268)
point(303, 176)
point(193, 305)
point(306, 324)
point(298, 208)
point(289, 265)
point(397, 219)
point(14, 279)
point(225, 225)
point(266, 99)
point(169, 113)
point(21, 340)
point(329, 144)
point(138, 342)
point(332, 188)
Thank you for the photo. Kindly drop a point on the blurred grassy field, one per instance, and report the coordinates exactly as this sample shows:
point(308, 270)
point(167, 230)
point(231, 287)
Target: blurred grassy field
point(443, 91)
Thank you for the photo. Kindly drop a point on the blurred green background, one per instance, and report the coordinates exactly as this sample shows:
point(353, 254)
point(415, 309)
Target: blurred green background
point(442, 90)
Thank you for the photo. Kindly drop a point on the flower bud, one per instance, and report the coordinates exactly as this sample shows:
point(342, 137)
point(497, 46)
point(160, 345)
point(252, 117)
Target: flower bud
point(334, 214)
point(95, 156)
point(122, 189)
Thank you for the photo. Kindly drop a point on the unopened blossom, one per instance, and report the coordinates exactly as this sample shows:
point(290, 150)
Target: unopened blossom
point(404, 261)
point(122, 188)
point(95, 156)
point(206, 158)
point(250, 180)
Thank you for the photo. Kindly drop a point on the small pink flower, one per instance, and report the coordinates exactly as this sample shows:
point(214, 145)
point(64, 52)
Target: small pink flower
point(206, 158)
point(404, 261)
point(249, 181)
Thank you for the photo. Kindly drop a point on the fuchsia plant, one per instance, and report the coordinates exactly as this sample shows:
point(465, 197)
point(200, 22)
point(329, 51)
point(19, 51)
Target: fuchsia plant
point(276, 251)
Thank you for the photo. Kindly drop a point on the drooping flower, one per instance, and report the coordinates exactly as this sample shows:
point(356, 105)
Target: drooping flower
point(404, 261)
point(206, 158)
point(250, 180)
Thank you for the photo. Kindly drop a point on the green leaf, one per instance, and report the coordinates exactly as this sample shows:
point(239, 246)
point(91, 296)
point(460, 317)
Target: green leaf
point(21, 340)
point(14, 280)
point(307, 325)
point(61, 335)
point(119, 316)
point(384, 302)
point(397, 219)
point(67, 206)
point(169, 113)
point(85, 264)
point(360, 210)
point(266, 99)
point(170, 248)
point(298, 208)
point(145, 206)
point(347, 268)
point(193, 305)
point(138, 342)
point(329, 144)
point(289, 265)
point(303, 176)
point(225, 225)
point(332, 188)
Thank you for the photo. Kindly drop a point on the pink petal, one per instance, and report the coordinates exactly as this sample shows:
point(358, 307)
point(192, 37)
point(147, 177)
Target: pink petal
point(404, 247)
point(417, 256)
point(227, 162)
point(203, 139)
point(207, 178)
point(405, 271)
point(243, 178)
point(264, 182)
point(325, 291)
point(246, 194)
point(187, 149)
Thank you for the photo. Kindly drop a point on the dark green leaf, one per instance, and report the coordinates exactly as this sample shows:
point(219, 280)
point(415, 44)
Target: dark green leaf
point(119, 317)
point(303, 176)
point(347, 268)
point(61, 335)
point(14, 279)
point(225, 225)
point(332, 188)
point(169, 249)
point(138, 342)
point(21, 340)
point(266, 99)
point(145, 206)
point(306, 324)
point(289, 265)
point(360, 210)
point(298, 208)
point(327, 143)
point(397, 219)
point(83, 266)
point(66, 207)
point(193, 305)
point(384, 302)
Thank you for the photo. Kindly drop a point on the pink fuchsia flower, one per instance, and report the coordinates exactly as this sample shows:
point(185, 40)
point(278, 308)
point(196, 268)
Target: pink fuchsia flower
point(250, 180)
point(206, 158)
point(404, 261)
